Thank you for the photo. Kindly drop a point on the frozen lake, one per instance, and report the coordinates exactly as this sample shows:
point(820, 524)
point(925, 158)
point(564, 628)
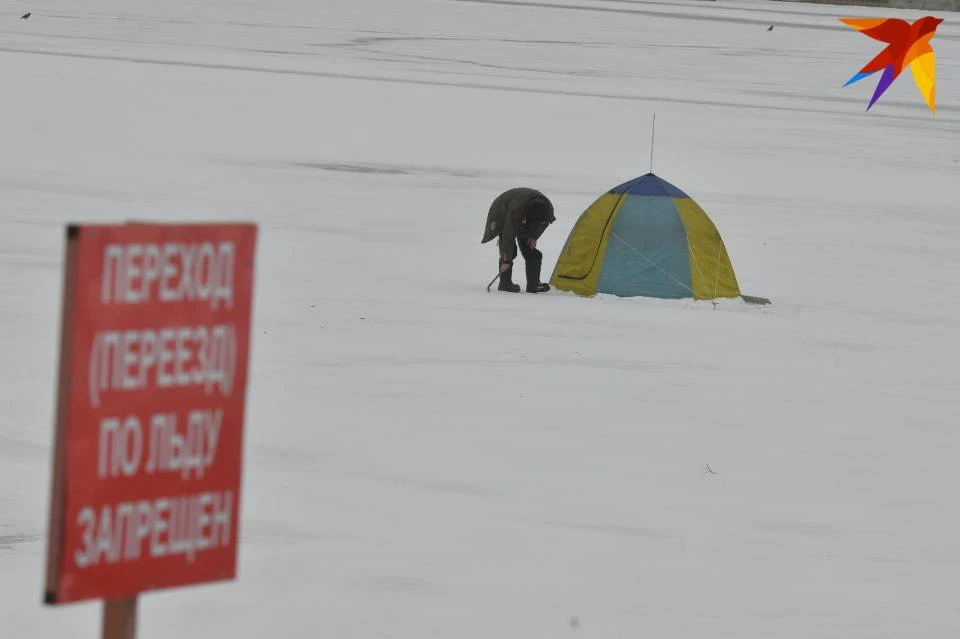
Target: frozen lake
point(425, 459)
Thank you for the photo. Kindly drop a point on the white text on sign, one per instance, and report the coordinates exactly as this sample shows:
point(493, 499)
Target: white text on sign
point(176, 272)
point(124, 444)
point(178, 357)
point(182, 525)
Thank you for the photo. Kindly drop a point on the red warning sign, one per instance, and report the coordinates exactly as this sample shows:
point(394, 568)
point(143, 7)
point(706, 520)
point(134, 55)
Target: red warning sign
point(149, 435)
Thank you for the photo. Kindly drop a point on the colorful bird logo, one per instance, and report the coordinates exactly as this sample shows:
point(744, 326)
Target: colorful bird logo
point(907, 44)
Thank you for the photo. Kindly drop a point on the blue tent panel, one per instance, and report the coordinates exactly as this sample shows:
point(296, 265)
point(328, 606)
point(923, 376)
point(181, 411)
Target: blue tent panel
point(647, 251)
point(649, 184)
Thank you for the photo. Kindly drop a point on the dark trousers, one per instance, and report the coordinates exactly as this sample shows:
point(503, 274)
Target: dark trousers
point(533, 261)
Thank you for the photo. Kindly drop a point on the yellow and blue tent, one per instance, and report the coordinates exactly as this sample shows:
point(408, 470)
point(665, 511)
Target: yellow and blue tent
point(647, 238)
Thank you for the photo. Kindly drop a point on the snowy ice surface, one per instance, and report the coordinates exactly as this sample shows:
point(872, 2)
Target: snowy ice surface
point(425, 459)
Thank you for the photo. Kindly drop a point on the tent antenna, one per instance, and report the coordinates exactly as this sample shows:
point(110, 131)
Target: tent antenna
point(653, 129)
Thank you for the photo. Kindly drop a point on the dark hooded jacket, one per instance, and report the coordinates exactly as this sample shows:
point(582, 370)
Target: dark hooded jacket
point(519, 213)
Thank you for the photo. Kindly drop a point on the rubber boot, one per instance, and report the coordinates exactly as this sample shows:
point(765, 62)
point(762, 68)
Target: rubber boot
point(534, 285)
point(506, 281)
